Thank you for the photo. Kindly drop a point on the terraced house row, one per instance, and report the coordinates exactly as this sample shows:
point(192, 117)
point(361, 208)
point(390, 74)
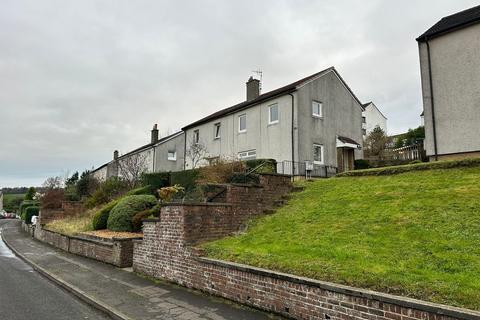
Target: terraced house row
point(316, 123)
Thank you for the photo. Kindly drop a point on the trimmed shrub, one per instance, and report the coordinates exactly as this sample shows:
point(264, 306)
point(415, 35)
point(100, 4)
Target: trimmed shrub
point(100, 218)
point(221, 171)
point(474, 162)
point(120, 218)
point(30, 212)
point(107, 191)
point(52, 199)
point(360, 164)
point(26, 204)
point(270, 165)
point(187, 178)
point(245, 178)
point(155, 180)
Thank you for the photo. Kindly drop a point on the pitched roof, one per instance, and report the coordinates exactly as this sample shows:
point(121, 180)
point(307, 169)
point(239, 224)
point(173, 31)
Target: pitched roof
point(365, 105)
point(452, 22)
point(266, 96)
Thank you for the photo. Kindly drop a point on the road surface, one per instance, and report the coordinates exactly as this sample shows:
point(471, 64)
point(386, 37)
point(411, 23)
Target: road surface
point(25, 294)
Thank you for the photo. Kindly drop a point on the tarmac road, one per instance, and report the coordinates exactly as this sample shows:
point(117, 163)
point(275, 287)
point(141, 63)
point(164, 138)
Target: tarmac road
point(25, 294)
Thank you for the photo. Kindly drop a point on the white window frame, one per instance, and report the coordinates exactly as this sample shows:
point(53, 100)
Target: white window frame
point(316, 145)
point(240, 130)
point(270, 107)
point(249, 154)
point(174, 157)
point(196, 136)
point(216, 130)
point(314, 109)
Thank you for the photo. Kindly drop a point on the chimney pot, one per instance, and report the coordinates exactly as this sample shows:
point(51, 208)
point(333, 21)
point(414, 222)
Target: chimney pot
point(253, 88)
point(115, 155)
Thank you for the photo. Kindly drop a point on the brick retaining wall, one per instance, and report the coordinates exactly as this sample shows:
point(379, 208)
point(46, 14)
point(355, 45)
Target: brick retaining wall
point(168, 251)
point(118, 252)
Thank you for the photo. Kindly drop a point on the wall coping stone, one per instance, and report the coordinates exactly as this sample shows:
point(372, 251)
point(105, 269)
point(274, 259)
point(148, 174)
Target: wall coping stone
point(107, 242)
point(450, 311)
point(195, 204)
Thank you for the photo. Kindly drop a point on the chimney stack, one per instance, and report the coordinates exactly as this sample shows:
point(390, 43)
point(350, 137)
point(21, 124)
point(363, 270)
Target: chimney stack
point(253, 88)
point(154, 133)
point(115, 155)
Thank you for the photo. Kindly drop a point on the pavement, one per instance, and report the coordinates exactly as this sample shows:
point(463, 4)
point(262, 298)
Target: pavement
point(120, 293)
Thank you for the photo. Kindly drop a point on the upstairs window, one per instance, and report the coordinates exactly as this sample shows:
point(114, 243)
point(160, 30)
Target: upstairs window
point(242, 123)
point(196, 136)
point(317, 154)
point(317, 109)
point(216, 130)
point(273, 114)
point(172, 155)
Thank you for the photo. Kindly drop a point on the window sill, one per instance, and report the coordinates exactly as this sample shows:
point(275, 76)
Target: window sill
point(273, 123)
point(318, 163)
point(172, 159)
point(217, 138)
point(243, 131)
point(317, 117)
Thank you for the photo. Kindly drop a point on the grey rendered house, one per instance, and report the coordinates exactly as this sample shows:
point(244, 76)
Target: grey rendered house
point(315, 121)
point(164, 154)
point(450, 72)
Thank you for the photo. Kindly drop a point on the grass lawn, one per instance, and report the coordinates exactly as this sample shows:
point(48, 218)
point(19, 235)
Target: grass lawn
point(415, 234)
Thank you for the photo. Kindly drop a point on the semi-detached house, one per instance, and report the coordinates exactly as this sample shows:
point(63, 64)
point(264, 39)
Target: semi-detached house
point(314, 123)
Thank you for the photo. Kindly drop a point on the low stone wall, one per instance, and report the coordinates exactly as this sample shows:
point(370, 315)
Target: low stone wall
point(118, 252)
point(167, 252)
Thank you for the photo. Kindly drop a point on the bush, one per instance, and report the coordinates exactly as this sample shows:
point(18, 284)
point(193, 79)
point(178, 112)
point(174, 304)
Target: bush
point(156, 180)
point(120, 218)
point(167, 193)
point(221, 171)
point(361, 164)
point(30, 212)
point(416, 161)
point(138, 218)
point(270, 165)
point(413, 167)
point(24, 205)
point(187, 178)
point(107, 191)
point(100, 218)
point(52, 199)
point(245, 178)
point(86, 185)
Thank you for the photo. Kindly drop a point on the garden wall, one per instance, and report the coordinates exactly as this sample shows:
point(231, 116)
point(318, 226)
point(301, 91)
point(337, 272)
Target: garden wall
point(168, 251)
point(115, 251)
point(68, 209)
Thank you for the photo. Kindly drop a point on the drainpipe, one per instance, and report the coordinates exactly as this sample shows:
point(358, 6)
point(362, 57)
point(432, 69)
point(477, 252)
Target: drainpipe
point(432, 101)
point(293, 136)
point(185, 150)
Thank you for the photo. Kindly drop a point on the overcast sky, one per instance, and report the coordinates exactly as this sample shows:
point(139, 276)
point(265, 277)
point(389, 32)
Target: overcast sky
point(79, 79)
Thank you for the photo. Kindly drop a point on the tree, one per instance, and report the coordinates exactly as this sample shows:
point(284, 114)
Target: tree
point(196, 152)
point(72, 180)
point(376, 143)
point(30, 193)
point(86, 185)
point(131, 167)
point(413, 136)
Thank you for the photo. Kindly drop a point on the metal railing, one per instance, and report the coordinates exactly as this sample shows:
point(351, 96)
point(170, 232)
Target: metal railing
point(306, 169)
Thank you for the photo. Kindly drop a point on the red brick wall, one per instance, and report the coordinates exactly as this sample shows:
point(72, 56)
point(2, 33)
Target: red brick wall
point(167, 252)
point(164, 253)
point(69, 209)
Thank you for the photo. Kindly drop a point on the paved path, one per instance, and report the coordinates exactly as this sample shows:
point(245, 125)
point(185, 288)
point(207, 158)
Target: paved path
point(127, 294)
point(24, 294)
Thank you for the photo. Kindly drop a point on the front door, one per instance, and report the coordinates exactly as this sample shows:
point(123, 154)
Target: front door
point(345, 159)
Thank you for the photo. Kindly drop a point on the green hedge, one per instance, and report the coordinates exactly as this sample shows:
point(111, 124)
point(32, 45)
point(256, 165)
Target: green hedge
point(155, 180)
point(187, 178)
point(361, 164)
point(120, 218)
point(101, 217)
point(29, 213)
point(413, 167)
point(139, 191)
point(26, 204)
